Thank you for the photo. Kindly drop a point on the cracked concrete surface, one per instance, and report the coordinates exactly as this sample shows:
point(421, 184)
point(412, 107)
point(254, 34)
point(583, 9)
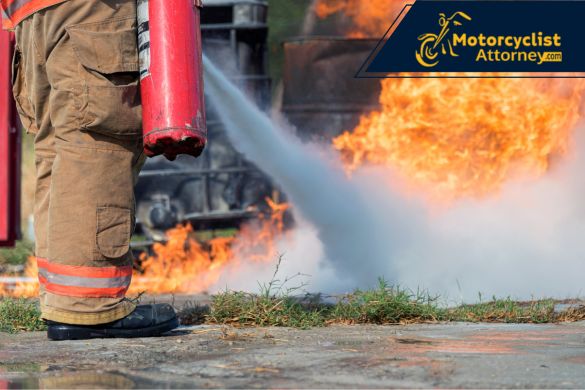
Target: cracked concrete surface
point(414, 356)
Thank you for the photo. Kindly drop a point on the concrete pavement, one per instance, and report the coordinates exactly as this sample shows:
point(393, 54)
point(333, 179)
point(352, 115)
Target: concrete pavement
point(415, 356)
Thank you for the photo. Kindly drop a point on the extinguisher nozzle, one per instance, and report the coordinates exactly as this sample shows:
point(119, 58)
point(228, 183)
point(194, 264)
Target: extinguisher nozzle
point(172, 142)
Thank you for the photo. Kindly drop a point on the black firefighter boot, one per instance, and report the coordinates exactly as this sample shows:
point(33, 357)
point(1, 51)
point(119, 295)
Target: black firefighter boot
point(145, 321)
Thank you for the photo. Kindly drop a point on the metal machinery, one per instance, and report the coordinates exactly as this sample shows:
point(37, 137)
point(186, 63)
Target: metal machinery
point(322, 98)
point(220, 188)
point(9, 149)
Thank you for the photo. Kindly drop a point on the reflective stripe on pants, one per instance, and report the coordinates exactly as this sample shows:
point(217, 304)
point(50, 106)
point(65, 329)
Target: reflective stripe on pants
point(77, 281)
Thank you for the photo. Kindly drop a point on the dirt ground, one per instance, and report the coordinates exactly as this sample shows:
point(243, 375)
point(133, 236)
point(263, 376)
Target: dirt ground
point(434, 355)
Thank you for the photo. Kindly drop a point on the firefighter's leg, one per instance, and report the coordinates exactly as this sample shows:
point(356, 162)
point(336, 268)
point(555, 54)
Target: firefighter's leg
point(31, 90)
point(89, 50)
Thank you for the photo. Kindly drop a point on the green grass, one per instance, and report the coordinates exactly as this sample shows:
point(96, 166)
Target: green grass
point(244, 309)
point(277, 305)
point(507, 311)
point(17, 255)
point(386, 305)
point(382, 306)
point(19, 315)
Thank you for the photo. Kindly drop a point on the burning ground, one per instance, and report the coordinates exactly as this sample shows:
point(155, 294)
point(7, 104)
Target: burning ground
point(184, 263)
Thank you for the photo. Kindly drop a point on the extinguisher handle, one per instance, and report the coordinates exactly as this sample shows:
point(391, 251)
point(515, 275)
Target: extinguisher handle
point(198, 3)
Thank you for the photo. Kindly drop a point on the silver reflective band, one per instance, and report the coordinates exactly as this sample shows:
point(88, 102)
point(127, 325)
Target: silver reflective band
point(77, 281)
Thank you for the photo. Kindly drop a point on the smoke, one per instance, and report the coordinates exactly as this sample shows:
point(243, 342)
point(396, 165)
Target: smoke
point(528, 241)
point(343, 216)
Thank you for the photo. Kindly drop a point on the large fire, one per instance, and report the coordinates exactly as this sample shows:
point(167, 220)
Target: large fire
point(184, 264)
point(465, 137)
point(457, 137)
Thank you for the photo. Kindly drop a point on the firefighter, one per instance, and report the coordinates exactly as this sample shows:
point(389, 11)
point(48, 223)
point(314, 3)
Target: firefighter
point(76, 84)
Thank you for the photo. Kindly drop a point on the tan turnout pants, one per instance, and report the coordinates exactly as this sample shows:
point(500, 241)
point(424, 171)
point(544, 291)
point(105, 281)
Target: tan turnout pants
point(75, 80)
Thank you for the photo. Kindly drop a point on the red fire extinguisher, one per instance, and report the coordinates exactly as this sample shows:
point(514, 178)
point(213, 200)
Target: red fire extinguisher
point(171, 75)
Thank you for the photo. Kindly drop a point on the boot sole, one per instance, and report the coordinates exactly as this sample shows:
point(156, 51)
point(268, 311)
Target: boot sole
point(72, 332)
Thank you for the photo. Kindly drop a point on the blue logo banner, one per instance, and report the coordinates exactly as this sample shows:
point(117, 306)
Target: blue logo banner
point(517, 38)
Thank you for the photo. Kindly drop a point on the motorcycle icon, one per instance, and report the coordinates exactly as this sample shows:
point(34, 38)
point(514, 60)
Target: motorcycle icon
point(427, 53)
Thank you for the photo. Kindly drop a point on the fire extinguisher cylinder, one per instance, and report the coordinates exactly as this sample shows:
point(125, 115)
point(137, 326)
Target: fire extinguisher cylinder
point(171, 73)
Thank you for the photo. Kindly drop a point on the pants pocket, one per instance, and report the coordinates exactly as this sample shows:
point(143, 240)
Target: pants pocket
point(21, 97)
point(114, 229)
point(110, 99)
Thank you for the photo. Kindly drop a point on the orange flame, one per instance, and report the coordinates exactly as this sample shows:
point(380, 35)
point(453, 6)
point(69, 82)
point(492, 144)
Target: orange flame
point(371, 18)
point(466, 137)
point(28, 289)
point(185, 265)
point(24, 289)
